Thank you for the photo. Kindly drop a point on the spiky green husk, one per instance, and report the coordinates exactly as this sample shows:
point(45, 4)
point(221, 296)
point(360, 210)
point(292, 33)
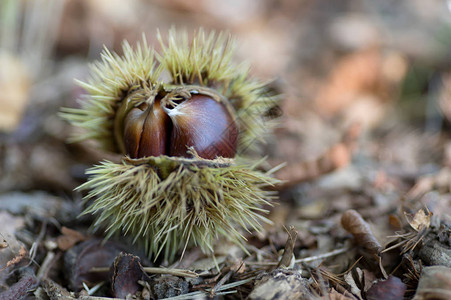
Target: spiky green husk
point(193, 205)
point(169, 203)
point(205, 60)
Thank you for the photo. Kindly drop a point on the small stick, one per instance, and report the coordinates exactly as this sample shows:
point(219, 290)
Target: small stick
point(46, 265)
point(221, 283)
point(321, 256)
point(306, 259)
point(153, 270)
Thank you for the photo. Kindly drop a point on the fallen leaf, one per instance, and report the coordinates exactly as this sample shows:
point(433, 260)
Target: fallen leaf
point(127, 271)
point(281, 284)
point(353, 222)
point(287, 260)
point(391, 289)
point(79, 261)
point(69, 238)
point(394, 222)
point(420, 220)
point(351, 282)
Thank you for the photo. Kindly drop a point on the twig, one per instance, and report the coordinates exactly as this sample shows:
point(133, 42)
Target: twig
point(321, 256)
point(153, 270)
point(96, 298)
point(306, 259)
point(175, 272)
point(221, 283)
point(46, 265)
point(219, 292)
point(38, 240)
point(94, 289)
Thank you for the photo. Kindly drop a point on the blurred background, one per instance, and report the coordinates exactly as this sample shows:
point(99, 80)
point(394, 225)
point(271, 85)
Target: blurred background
point(379, 65)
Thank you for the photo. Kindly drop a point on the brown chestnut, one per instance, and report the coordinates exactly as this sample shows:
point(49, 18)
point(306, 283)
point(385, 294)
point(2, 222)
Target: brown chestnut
point(181, 120)
point(204, 124)
point(145, 132)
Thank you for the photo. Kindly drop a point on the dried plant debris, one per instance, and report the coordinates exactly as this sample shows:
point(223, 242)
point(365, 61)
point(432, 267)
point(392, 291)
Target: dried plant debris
point(430, 243)
point(336, 157)
point(421, 220)
point(169, 286)
point(436, 248)
point(435, 283)
point(69, 238)
point(53, 290)
point(80, 260)
point(127, 272)
point(18, 258)
point(287, 259)
point(353, 222)
point(391, 289)
point(20, 289)
point(281, 284)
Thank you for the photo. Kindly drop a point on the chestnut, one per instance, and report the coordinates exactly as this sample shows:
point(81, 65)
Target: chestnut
point(172, 125)
point(145, 131)
point(204, 124)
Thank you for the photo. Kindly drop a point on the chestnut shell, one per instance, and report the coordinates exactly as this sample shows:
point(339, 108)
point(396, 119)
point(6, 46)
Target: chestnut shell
point(146, 131)
point(200, 121)
point(204, 124)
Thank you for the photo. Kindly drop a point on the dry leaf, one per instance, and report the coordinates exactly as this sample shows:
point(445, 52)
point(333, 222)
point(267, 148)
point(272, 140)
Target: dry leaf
point(334, 295)
point(420, 220)
point(336, 157)
point(127, 271)
point(288, 257)
point(69, 238)
point(395, 222)
point(80, 260)
point(350, 280)
point(391, 289)
point(281, 284)
point(353, 223)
